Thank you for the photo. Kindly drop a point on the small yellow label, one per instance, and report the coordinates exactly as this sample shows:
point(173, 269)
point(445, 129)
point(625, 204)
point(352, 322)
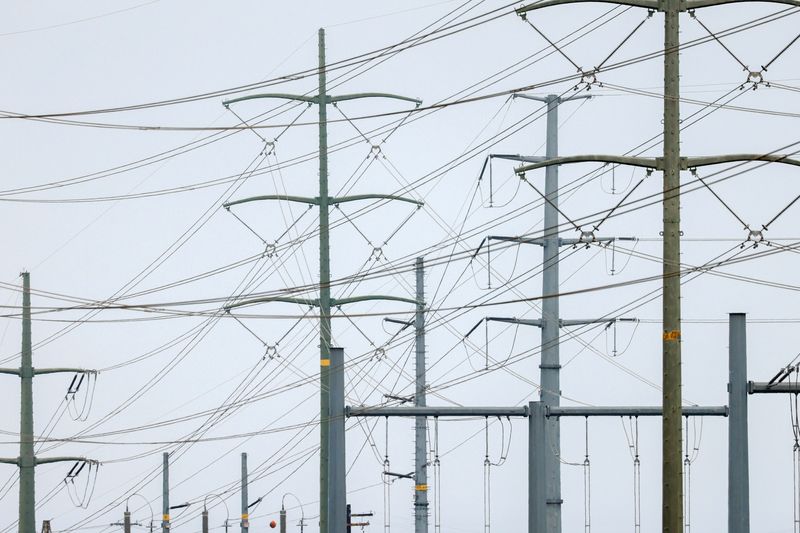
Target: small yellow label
point(245, 516)
point(325, 362)
point(421, 488)
point(166, 518)
point(674, 335)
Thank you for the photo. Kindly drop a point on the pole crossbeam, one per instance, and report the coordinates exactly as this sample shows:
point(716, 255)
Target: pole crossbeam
point(315, 302)
point(331, 520)
point(757, 387)
point(332, 200)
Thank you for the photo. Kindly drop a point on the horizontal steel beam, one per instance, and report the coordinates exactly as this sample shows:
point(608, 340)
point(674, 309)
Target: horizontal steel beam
point(689, 410)
point(785, 387)
point(521, 411)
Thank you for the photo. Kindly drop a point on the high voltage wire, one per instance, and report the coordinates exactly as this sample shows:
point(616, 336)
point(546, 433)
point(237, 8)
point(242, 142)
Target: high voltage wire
point(735, 29)
point(633, 205)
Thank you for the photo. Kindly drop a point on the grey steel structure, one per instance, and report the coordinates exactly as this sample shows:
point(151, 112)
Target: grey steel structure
point(671, 164)
point(165, 494)
point(245, 523)
point(420, 424)
point(551, 322)
point(337, 486)
point(738, 466)
point(27, 460)
point(325, 301)
point(537, 413)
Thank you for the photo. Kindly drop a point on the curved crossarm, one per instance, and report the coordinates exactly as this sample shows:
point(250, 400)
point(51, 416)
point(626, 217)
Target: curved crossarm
point(288, 198)
point(356, 299)
point(546, 99)
point(646, 162)
point(356, 197)
point(41, 371)
point(9, 460)
point(46, 460)
point(356, 96)
point(696, 4)
point(284, 96)
point(693, 162)
point(12, 371)
point(647, 4)
point(313, 302)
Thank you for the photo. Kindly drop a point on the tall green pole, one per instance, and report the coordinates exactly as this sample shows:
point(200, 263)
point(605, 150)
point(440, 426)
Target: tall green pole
point(672, 466)
point(27, 493)
point(324, 290)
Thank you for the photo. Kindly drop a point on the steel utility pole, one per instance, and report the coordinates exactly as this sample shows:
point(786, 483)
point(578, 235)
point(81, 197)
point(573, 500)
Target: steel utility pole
point(245, 514)
point(671, 165)
point(550, 323)
point(27, 460)
point(165, 494)
point(325, 301)
point(420, 428)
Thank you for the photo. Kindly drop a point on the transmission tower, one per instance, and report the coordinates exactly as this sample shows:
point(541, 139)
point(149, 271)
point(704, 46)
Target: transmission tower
point(332, 518)
point(27, 460)
point(671, 164)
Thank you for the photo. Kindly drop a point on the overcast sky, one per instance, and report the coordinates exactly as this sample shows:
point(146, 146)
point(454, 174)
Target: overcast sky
point(130, 208)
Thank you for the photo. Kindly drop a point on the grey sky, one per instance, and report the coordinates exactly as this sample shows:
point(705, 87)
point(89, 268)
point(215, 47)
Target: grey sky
point(61, 57)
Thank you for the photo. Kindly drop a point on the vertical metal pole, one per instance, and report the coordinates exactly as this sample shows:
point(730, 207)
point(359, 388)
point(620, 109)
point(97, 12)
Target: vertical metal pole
point(324, 289)
point(165, 495)
point(672, 473)
point(245, 516)
point(126, 522)
point(337, 489)
point(537, 487)
point(349, 518)
point(550, 364)
point(420, 435)
point(282, 520)
point(27, 462)
point(205, 521)
point(738, 469)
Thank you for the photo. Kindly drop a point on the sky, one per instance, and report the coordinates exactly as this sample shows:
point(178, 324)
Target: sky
point(119, 155)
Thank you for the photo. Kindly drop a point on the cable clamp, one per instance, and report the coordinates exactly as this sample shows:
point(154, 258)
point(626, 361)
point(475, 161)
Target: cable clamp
point(378, 354)
point(375, 151)
point(271, 249)
point(377, 253)
point(271, 352)
point(269, 147)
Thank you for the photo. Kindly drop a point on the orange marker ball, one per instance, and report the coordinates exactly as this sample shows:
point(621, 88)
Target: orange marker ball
point(273, 524)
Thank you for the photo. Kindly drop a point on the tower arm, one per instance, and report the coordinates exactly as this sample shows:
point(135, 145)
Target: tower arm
point(696, 4)
point(693, 162)
point(356, 96)
point(41, 371)
point(647, 4)
point(646, 162)
point(284, 96)
point(313, 302)
point(12, 371)
point(371, 297)
point(288, 198)
point(46, 460)
point(356, 197)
